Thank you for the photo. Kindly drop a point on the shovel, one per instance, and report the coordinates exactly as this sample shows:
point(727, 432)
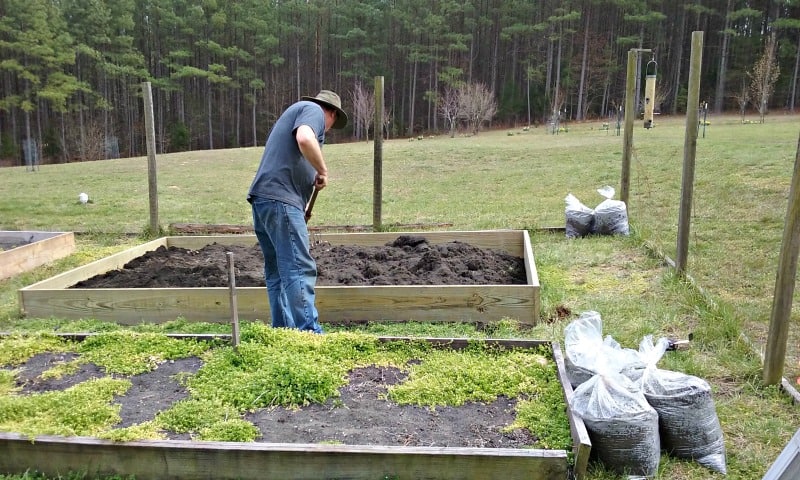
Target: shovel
point(311, 203)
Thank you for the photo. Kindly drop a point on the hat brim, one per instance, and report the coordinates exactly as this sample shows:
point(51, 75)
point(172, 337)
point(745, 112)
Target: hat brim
point(341, 116)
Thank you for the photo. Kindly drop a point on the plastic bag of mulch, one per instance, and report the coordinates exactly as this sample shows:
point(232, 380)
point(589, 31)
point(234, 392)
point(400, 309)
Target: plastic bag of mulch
point(688, 422)
point(579, 218)
point(622, 426)
point(586, 351)
point(611, 216)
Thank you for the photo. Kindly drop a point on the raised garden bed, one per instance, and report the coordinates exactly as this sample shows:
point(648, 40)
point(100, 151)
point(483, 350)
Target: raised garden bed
point(202, 459)
point(21, 251)
point(336, 304)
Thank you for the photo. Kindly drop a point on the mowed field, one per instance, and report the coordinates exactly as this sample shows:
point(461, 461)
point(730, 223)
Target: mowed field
point(517, 178)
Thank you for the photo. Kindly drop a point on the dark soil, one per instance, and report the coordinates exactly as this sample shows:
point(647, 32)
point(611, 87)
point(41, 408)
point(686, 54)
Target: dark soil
point(7, 244)
point(360, 416)
point(409, 260)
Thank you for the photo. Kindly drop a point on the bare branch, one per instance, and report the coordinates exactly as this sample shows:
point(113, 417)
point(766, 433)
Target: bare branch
point(449, 108)
point(764, 76)
point(476, 105)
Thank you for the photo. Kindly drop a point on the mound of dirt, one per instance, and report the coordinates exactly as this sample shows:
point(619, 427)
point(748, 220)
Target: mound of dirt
point(409, 260)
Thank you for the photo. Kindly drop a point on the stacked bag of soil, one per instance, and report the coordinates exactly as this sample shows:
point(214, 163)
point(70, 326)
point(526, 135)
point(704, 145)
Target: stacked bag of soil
point(687, 417)
point(632, 409)
point(587, 352)
point(610, 217)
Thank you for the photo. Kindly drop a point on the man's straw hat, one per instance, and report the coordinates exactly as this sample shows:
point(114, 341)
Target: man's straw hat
point(330, 99)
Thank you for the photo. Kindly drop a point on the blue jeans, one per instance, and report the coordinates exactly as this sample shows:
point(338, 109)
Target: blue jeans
point(289, 269)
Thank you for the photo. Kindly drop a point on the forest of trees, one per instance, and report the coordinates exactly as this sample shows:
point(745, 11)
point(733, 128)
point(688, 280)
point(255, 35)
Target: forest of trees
point(71, 71)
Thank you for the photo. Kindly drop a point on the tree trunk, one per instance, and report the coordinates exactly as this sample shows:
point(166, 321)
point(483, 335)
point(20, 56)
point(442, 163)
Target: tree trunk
point(413, 100)
point(27, 151)
point(253, 115)
point(167, 116)
point(794, 77)
point(63, 140)
point(584, 61)
point(549, 78)
point(435, 98)
point(638, 83)
point(528, 94)
point(39, 135)
point(297, 68)
point(557, 86)
point(82, 145)
point(719, 97)
point(133, 107)
point(106, 121)
point(495, 58)
point(766, 87)
point(676, 90)
point(208, 116)
point(238, 119)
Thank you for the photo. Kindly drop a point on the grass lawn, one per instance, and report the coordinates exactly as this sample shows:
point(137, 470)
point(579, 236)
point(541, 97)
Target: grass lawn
point(517, 179)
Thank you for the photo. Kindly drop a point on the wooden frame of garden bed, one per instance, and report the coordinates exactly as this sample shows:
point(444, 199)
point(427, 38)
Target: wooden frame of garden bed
point(35, 249)
point(336, 304)
point(181, 459)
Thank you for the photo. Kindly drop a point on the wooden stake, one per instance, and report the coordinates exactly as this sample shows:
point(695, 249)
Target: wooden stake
point(233, 300)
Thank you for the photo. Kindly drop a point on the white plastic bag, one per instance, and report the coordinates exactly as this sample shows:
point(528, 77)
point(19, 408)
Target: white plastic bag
point(587, 352)
point(622, 426)
point(688, 422)
point(579, 217)
point(611, 216)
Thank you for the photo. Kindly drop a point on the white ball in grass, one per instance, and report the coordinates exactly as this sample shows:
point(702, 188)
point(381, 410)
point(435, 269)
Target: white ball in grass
point(83, 198)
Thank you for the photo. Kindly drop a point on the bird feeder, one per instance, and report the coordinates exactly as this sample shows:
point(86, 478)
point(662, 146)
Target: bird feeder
point(649, 92)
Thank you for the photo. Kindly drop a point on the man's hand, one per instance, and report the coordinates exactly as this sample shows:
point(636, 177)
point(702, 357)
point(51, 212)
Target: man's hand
point(321, 181)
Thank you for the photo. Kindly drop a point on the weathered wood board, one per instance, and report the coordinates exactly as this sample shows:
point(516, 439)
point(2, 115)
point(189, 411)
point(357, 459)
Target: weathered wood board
point(181, 459)
point(336, 304)
point(787, 465)
point(32, 249)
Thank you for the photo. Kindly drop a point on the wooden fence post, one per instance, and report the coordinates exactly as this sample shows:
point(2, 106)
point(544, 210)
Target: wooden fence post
point(689, 153)
point(377, 188)
point(775, 354)
point(630, 114)
point(150, 131)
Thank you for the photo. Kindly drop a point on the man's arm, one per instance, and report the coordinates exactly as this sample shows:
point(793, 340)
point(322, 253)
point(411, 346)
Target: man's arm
point(310, 148)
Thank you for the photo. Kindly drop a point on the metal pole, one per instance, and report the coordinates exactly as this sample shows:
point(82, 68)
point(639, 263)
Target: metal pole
point(150, 131)
point(377, 195)
point(689, 152)
point(775, 354)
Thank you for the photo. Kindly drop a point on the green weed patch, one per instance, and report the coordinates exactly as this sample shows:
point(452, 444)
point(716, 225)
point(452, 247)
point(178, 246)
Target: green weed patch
point(276, 368)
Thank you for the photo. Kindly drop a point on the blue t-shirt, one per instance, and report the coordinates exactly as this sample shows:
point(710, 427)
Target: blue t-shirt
point(284, 174)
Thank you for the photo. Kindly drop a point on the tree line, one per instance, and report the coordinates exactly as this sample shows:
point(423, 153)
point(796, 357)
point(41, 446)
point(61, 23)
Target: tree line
point(71, 71)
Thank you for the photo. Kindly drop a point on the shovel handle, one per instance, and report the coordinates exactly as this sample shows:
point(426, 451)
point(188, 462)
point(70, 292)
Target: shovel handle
point(311, 203)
